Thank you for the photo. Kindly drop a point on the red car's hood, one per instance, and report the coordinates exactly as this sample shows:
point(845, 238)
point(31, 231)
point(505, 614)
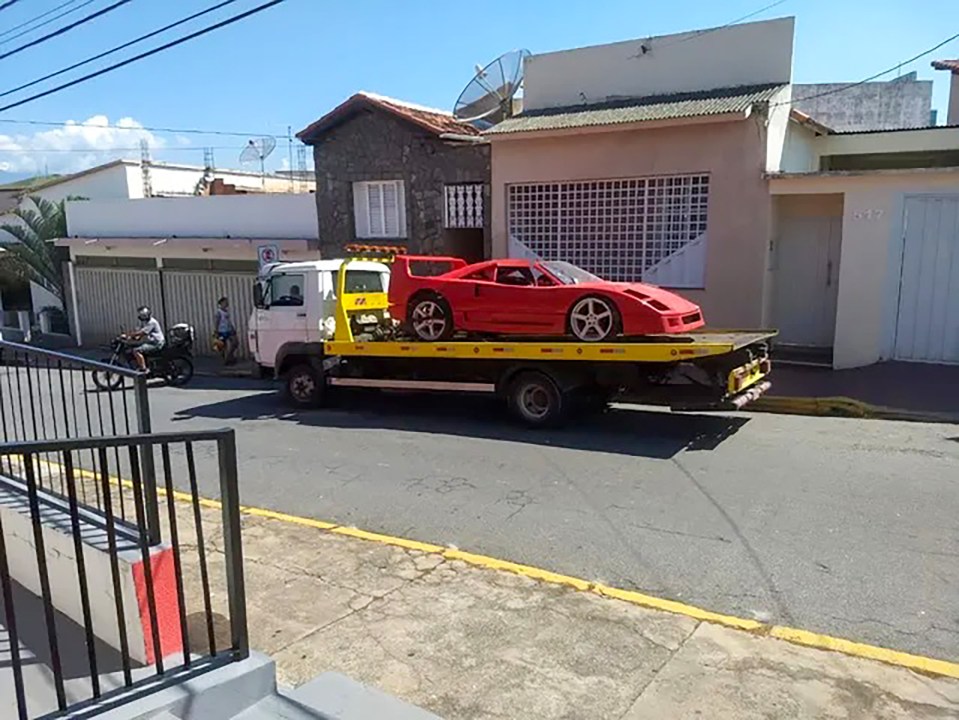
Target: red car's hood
point(675, 303)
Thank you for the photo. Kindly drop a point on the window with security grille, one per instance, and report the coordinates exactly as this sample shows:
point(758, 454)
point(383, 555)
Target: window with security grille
point(632, 229)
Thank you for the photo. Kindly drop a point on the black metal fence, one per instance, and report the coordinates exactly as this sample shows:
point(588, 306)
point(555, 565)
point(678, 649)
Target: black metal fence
point(102, 648)
point(48, 395)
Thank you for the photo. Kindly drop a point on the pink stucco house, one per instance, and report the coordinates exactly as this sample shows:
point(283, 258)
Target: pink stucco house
point(680, 161)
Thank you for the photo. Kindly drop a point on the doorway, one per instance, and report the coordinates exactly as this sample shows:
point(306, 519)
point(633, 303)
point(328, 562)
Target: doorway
point(806, 257)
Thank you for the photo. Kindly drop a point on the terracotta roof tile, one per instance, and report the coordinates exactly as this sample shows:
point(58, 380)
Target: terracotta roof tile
point(435, 121)
point(946, 65)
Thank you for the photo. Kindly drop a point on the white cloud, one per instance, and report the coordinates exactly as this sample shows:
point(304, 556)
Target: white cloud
point(75, 145)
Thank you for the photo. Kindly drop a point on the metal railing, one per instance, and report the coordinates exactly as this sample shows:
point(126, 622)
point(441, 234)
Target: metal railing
point(48, 395)
point(133, 642)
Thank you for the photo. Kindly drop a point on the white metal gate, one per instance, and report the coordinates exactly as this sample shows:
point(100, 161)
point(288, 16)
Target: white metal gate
point(927, 318)
point(191, 298)
point(108, 298)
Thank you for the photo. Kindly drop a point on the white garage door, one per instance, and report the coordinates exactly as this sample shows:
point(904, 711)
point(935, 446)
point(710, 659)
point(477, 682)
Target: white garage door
point(927, 322)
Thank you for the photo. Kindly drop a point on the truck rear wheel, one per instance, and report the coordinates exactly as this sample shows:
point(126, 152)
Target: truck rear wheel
point(535, 399)
point(305, 386)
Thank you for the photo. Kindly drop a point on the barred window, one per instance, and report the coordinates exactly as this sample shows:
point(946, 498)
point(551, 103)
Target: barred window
point(631, 229)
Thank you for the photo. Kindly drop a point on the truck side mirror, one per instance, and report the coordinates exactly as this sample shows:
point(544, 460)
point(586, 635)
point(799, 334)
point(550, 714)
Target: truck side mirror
point(258, 294)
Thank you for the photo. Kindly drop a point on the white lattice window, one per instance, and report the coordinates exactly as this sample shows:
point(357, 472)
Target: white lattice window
point(464, 206)
point(379, 209)
point(633, 229)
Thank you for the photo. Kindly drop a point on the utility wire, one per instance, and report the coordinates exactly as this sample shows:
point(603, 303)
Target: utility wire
point(95, 151)
point(125, 45)
point(45, 22)
point(141, 56)
point(65, 28)
point(894, 68)
point(700, 33)
point(8, 4)
point(180, 131)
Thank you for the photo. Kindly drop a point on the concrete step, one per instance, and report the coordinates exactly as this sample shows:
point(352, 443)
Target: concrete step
point(332, 696)
point(278, 707)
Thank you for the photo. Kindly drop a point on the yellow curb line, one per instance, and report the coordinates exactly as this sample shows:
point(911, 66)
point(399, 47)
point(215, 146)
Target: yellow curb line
point(918, 663)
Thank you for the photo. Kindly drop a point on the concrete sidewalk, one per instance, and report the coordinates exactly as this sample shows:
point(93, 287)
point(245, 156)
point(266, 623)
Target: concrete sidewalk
point(469, 642)
point(907, 390)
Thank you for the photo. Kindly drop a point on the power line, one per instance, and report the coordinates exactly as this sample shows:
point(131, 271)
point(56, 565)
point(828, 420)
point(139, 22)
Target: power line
point(45, 22)
point(89, 60)
point(8, 4)
point(894, 68)
point(700, 33)
point(95, 151)
point(65, 28)
point(141, 56)
point(180, 131)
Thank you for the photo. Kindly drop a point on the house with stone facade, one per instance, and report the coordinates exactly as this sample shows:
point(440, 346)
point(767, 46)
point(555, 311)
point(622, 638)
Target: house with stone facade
point(392, 172)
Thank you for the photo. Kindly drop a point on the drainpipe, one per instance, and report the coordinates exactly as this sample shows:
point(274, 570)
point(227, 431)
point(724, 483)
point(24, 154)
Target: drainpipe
point(76, 307)
point(476, 139)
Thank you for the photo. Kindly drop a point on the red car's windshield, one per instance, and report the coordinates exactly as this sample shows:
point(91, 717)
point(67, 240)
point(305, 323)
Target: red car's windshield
point(569, 274)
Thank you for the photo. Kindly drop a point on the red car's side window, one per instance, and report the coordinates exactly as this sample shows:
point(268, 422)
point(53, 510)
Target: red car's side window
point(514, 276)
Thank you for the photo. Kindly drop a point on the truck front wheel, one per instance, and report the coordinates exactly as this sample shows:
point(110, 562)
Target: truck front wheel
point(535, 399)
point(305, 386)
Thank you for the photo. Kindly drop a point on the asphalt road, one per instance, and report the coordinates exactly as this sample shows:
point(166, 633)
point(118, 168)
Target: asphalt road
point(847, 527)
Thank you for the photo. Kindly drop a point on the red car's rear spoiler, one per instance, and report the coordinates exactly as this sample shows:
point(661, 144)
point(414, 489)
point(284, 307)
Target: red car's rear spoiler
point(406, 264)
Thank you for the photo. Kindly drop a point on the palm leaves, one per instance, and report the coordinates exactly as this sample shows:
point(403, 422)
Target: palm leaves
point(30, 255)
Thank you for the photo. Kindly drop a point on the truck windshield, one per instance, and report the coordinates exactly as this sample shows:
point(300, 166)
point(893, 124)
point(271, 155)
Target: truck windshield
point(361, 281)
point(569, 274)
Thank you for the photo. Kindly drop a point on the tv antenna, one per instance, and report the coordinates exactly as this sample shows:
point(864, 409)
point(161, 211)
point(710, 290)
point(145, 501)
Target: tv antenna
point(488, 97)
point(257, 151)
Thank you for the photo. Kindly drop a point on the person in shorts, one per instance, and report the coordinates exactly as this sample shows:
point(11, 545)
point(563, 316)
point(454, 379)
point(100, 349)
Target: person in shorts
point(148, 337)
point(226, 331)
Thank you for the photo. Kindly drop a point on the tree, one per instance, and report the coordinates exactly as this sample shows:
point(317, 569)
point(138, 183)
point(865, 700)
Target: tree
point(31, 256)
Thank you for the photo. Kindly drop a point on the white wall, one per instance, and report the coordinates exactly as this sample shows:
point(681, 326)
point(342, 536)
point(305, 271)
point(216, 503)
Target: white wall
point(746, 54)
point(869, 264)
point(179, 180)
point(110, 182)
point(777, 126)
point(800, 152)
point(240, 216)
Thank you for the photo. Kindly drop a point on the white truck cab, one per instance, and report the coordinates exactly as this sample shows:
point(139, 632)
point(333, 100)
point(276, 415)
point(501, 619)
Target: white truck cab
point(294, 304)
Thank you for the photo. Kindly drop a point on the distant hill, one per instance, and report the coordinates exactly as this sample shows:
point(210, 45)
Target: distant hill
point(10, 181)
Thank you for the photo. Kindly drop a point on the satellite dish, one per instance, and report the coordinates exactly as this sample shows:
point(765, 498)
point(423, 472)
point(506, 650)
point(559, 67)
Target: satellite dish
point(488, 97)
point(257, 151)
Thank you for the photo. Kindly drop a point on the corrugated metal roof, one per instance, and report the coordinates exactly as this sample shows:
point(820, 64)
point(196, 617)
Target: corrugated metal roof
point(659, 107)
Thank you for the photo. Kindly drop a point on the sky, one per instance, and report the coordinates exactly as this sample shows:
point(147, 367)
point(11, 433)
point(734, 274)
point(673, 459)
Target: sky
point(289, 65)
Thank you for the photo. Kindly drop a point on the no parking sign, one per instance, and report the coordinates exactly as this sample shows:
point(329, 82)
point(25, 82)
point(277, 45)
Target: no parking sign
point(267, 254)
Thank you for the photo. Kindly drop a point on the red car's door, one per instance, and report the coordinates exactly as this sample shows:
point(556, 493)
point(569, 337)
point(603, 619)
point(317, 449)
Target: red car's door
point(521, 300)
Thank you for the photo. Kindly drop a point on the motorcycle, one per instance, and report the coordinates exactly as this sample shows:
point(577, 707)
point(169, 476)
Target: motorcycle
point(173, 363)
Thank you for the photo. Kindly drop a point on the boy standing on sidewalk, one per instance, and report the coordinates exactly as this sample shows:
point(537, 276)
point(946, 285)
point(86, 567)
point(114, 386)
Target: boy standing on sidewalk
point(226, 331)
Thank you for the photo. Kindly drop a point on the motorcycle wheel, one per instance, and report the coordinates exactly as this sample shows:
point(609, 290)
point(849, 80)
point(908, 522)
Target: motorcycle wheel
point(179, 371)
point(106, 380)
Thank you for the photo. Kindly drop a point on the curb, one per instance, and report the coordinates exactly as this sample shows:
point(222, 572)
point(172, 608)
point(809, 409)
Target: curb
point(844, 407)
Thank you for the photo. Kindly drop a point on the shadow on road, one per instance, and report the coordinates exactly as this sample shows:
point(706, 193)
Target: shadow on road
point(641, 433)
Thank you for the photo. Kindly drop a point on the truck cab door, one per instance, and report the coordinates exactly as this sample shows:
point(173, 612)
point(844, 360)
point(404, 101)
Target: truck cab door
point(284, 313)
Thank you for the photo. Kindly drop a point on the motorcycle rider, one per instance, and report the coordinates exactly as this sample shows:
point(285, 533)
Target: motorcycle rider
point(148, 336)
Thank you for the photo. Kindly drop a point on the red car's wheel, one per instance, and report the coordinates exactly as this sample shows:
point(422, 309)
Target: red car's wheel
point(430, 318)
point(593, 319)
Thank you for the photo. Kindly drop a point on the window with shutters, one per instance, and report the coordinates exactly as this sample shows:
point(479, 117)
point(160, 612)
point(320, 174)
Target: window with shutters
point(379, 209)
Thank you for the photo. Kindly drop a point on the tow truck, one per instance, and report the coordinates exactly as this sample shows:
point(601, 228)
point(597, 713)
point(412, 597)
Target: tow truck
point(541, 383)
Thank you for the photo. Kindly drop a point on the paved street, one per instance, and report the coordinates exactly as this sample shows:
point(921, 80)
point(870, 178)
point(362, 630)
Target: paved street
point(840, 526)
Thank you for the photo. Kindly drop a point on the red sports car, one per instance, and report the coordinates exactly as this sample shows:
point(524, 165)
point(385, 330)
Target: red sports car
point(525, 297)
